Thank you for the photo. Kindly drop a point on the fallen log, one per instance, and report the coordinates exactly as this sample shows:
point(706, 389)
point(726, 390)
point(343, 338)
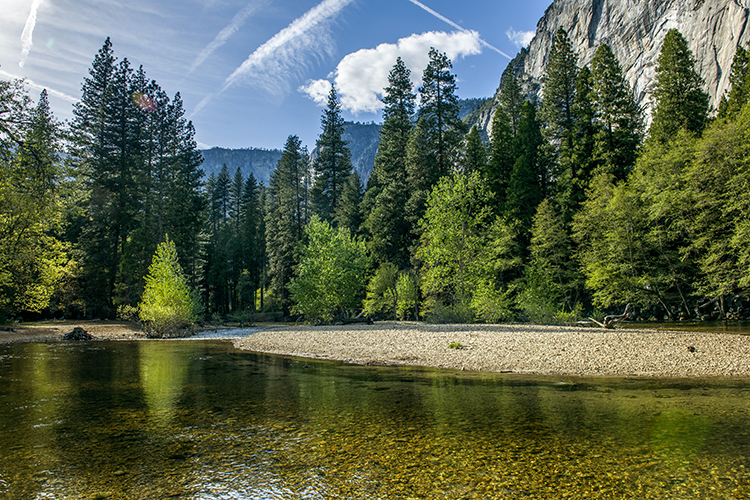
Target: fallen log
point(612, 319)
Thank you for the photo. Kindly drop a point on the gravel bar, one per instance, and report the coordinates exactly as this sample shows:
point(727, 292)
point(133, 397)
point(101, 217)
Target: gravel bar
point(526, 349)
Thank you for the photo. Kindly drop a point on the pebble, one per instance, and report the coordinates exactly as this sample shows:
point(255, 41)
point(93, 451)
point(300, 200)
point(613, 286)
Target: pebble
point(519, 348)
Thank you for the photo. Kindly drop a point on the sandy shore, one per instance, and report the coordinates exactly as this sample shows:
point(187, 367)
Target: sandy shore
point(525, 349)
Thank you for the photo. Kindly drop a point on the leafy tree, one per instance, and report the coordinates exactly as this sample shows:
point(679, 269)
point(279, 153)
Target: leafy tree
point(679, 98)
point(331, 273)
point(453, 238)
point(333, 164)
point(167, 306)
point(382, 291)
point(33, 259)
point(616, 115)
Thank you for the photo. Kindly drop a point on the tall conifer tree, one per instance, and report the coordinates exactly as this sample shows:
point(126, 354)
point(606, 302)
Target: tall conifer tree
point(679, 99)
point(333, 164)
point(386, 197)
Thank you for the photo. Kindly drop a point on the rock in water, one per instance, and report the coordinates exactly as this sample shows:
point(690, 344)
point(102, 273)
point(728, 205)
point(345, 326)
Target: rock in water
point(78, 333)
point(635, 31)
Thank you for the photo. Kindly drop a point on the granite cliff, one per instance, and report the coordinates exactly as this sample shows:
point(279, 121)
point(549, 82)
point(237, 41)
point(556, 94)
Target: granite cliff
point(635, 30)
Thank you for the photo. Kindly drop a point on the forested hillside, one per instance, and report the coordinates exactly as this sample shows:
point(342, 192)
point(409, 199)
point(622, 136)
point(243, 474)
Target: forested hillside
point(259, 162)
point(572, 208)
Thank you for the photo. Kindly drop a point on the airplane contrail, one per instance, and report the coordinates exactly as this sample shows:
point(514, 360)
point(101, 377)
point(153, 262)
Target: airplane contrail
point(457, 26)
point(28, 31)
point(237, 21)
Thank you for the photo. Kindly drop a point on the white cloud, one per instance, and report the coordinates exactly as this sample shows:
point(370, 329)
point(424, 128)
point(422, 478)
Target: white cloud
point(520, 38)
point(361, 76)
point(282, 58)
point(28, 31)
point(237, 21)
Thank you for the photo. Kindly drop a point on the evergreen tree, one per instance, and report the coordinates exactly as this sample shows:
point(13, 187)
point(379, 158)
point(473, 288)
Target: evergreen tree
point(432, 151)
point(527, 186)
point(616, 115)
point(387, 191)
point(333, 164)
point(285, 218)
point(502, 154)
point(475, 157)
point(349, 211)
point(737, 95)
point(679, 99)
point(167, 305)
point(557, 109)
point(439, 109)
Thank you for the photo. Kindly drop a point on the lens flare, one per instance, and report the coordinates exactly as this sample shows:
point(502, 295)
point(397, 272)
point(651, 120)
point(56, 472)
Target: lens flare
point(143, 101)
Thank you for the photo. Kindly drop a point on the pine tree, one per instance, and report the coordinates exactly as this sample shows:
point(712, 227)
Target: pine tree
point(503, 139)
point(557, 110)
point(333, 164)
point(387, 191)
point(616, 115)
point(679, 99)
point(167, 305)
point(439, 109)
point(738, 79)
point(475, 157)
point(286, 218)
point(528, 180)
point(434, 145)
point(349, 211)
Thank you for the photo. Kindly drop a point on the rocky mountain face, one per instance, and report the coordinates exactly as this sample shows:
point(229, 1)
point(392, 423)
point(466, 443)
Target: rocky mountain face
point(635, 30)
point(259, 162)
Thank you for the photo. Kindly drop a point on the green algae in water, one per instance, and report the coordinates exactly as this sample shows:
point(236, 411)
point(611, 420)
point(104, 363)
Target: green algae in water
point(198, 420)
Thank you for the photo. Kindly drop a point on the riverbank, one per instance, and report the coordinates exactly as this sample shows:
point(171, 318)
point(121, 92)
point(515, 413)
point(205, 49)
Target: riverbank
point(526, 349)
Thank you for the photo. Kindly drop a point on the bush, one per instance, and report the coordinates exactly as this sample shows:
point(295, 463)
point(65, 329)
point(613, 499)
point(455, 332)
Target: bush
point(167, 307)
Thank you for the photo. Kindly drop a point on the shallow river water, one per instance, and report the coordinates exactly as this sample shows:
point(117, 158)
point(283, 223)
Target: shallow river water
point(200, 420)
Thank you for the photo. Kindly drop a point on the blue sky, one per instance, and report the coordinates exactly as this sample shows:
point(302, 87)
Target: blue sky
point(252, 72)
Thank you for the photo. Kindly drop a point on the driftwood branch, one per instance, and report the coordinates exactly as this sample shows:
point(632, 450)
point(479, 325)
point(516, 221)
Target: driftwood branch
point(612, 319)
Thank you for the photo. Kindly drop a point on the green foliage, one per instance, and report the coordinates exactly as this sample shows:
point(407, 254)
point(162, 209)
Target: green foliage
point(385, 200)
point(382, 292)
point(455, 345)
point(34, 199)
point(616, 115)
point(407, 291)
point(331, 273)
point(333, 165)
point(679, 99)
point(551, 281)
point(561, 74)
point(475, 158)
point(287, 213)
point(167, 306)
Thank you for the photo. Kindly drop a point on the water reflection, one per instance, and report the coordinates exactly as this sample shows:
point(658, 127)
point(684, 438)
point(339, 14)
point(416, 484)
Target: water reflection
point(199, 420)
